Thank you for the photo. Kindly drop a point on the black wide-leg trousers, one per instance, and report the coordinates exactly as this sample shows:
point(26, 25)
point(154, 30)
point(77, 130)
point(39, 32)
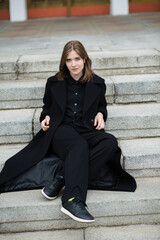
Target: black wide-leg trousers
point(83, 152)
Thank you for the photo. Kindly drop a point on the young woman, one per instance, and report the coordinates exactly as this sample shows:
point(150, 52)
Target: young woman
point(73, 121)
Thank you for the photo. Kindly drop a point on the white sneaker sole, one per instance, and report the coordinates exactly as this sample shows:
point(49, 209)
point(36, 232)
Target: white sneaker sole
point(49, 198)
point(74, 217)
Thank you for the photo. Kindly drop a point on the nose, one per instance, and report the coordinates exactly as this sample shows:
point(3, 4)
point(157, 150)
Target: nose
point(73, 63)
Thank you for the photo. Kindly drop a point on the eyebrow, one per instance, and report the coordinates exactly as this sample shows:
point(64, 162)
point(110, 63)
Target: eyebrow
point(70, 58)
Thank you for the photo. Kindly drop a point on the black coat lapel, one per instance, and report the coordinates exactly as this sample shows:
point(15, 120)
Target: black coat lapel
point(59, 92)
point(91, 92)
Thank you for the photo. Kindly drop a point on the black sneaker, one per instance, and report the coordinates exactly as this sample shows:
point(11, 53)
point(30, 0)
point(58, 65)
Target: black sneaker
point(76, 209)
point(52, 189)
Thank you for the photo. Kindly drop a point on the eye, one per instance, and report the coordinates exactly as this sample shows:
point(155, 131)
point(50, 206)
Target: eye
point(68, 60)
point(77, 58)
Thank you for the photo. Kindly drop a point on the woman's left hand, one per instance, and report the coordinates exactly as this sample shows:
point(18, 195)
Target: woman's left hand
point(99, 121)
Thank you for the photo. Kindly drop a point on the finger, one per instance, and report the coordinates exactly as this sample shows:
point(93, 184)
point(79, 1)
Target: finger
point(95, 121)
point(42, 124)
point(47, 121)
point(98, 126)
point(101, 125)
point(45, 128)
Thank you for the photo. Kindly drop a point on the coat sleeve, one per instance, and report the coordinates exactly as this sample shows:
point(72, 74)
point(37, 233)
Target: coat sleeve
point(102, 106)
point(47, 101)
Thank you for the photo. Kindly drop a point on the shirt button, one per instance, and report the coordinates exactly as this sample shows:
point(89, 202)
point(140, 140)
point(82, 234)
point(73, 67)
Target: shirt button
point(74, 112)
point(75, 104)
point(76, 93)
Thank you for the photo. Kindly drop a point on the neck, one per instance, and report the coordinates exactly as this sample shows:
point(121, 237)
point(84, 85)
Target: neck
point(76, 78)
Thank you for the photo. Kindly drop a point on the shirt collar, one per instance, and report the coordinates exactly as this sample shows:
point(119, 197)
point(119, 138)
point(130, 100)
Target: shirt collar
point(72, 81)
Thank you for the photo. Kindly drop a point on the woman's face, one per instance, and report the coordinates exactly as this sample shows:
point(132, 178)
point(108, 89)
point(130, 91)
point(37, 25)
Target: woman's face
point(75, 64)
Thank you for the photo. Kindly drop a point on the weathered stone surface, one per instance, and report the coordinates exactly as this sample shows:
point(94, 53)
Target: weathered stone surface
point(8, 76)
point(137, 84)
point(7, 139)
point(139, 116)
point(16, 126)
point(145, 172)
point(38, 63)
point(123, 99)
point(125, 59)
point(36, 75)
point(46, 235)
point(16, 122)
point(69, 223)
point(22, 90)
point(137, 88)
point(19, 104)
point(8, 64)
point(135, 133)
point(137, 232)
point(113, 61)
point(21, 94)
point(127, 71)
point(141, 153)
point(30, 206)
point(101, 60)
point(134, 232)
point(110, 92)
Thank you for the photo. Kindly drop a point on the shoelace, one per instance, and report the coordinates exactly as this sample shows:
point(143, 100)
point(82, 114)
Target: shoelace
point(80, 203)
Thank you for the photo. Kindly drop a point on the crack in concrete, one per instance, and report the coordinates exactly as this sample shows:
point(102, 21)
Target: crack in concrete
point(17, 68)
point(156, 49)
point(34, 113)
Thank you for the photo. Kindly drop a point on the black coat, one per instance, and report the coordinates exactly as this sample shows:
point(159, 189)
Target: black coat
point(26, 161)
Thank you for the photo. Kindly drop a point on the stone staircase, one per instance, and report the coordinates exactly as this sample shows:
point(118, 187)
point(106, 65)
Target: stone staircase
point(133, 94)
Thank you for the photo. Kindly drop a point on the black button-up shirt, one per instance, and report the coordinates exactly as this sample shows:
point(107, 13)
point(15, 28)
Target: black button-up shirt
point(74, 103)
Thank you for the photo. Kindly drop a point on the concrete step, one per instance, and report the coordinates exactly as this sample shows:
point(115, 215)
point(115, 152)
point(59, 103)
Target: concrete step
point(21, 93)
point(134, 232)
point(136, 88)
point(16, 126)
point(30, 211)
point(124, 121)
point(108, 62)
point(134, 120)
point(141, 157)
point(120, 89)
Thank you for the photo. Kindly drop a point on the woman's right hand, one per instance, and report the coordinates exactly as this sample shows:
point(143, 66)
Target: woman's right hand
point(45, 123)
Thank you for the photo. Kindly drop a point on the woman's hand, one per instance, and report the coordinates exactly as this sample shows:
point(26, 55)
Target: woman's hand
point(99, 121)
point(45, 123)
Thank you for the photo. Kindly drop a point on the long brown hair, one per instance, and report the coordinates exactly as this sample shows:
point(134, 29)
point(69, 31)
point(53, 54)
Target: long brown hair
point(80, 50)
